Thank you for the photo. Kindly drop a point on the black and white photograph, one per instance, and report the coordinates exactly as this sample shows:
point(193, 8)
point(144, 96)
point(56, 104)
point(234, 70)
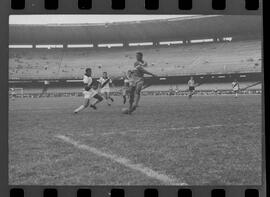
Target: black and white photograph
point(135, 100)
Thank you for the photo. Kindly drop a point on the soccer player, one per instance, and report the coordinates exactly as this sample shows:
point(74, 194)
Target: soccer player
point(138, 77)
point(89, 92)
point(45, 88)
point(104, 86)
point(236, 87)
point(216, 91)
point(125, 87)
point(191, 87)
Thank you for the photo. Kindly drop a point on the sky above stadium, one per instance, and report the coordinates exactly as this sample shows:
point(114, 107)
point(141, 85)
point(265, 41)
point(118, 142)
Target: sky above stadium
point(71, 19)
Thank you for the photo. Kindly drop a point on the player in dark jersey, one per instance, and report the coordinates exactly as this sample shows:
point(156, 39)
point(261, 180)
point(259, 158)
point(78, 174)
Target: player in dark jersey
point(138, 77)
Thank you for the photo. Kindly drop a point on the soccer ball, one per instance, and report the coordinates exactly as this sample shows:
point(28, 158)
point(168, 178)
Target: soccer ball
point(125, 110)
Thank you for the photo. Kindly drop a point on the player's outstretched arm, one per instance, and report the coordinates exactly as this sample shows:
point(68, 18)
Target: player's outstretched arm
point(140, 64)
point(147, 72)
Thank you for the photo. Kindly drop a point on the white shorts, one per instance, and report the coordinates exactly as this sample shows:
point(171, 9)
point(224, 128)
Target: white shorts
point(235, 89)
point(124, 91)
point(89, 94)
point(105, 90)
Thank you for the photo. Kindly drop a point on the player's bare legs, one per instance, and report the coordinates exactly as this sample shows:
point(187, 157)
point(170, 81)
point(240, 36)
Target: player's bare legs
point(137, 97)
point(126, 95)
point(236, 94)
point(131, 99)
point(82, 107)
point(124, 99)
point(191, 94)
point(106, 96)
point(109, 96)
point(125, 92)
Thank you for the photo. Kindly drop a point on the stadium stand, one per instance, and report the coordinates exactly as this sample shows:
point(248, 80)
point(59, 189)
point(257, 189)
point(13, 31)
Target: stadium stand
point(191, 59)
point(226, 86)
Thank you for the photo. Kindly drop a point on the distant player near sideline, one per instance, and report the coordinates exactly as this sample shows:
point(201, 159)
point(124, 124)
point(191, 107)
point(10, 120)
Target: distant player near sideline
point(191, 87)
point(104, 86)
point(89, 92)
point(45, 88)
point(12, 93)
point(236, 87)
point(138, 77)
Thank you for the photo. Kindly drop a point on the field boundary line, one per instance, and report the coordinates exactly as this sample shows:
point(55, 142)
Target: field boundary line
point(169, 129)
point(211, 126)
point(165, 179)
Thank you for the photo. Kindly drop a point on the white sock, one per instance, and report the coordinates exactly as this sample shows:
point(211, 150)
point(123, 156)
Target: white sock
point(79, 109)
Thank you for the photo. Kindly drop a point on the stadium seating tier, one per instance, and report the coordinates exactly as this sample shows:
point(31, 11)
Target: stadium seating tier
point(67, 63)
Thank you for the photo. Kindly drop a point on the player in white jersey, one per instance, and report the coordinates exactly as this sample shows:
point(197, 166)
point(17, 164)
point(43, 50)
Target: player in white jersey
point(89, 92)
point(104, 85)
point(235, 87)
point(191, 87)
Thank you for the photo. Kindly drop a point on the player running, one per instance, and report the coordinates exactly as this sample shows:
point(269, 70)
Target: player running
point(137, 76)
point(191, 87)
point(236, 87)
point(89, 92)
point(104, 85)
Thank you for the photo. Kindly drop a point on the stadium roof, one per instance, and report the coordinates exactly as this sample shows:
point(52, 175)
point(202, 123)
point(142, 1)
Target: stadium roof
point(191, 27)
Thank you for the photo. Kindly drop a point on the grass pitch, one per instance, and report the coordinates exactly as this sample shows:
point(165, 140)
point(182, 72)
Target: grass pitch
point(167, 140)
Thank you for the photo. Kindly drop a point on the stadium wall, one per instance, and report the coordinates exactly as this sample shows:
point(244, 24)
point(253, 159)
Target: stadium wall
point(172, 80)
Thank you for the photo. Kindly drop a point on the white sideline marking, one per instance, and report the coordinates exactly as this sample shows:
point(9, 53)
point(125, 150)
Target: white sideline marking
point(172, 129)
point(125, 162)
point(209, 126)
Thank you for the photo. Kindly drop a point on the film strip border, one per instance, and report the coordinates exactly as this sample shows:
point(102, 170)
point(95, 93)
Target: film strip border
point(135, 191)
point(138, 6)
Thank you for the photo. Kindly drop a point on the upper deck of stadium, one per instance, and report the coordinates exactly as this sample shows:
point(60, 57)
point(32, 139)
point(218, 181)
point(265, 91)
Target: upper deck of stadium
point(243, 54)
point(184, 28)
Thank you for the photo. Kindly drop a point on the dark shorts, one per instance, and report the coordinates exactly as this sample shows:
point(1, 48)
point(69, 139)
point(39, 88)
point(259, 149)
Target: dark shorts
point(192, 88)
point(98, 97)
